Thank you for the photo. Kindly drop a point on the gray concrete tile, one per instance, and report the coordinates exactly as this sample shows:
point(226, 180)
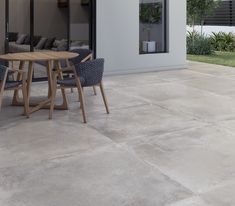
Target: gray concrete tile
point(196, 169)
point(211, 69)
point(223, 196)
point(142, 121)
point(171, 131)
point(37, 140)
point(131, 80)
point(162, 92)
point(209, 137)
point(208, 107)
point(228, 124)
point(103, 177)
point(200, 159)
point(179, 75)
point(194, 201)
point(117, 99)
point(217, 85)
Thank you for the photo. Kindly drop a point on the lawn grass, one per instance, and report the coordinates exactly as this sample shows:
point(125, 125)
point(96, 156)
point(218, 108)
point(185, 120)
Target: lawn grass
point(220, 58)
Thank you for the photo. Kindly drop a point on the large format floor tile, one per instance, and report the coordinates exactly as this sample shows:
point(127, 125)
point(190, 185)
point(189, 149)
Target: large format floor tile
point(200, 159)
point(27, 142)
point(103, 177)
point(169, 141)
point(117, 99)
point(131, 80)
point(208, 106)
point(222, 196)
point(211, 70)
point(217, 85)
point(142, 121)
point(179, 75)
point(194, 201)
point(162, 92)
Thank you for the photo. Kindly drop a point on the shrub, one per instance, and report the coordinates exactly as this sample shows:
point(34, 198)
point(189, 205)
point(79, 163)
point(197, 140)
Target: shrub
point(223, 42)
point(199, 44)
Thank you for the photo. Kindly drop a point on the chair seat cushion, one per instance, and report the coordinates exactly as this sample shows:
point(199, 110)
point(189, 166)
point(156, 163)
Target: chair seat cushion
point(12, 84)
point(70, 82)
point(10, 72)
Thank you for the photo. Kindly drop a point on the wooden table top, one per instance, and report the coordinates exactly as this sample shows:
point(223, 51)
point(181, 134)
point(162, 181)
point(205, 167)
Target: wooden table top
point(39, 56)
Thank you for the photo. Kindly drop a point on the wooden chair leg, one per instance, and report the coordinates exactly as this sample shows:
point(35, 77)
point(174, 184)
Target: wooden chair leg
point(82, 103)
point(60, 75)
point(49, 66)
point(2, 87)
point(1, 99)
point(104, 97)
point(24, 93)
point(94, 89)
point(15, 99)
point(29, 83)
point(79, 94)
point(53, 96)
point(70, 76)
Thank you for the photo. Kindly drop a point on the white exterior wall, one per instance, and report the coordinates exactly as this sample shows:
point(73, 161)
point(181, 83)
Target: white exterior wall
point(118, 37)
point(208, 30)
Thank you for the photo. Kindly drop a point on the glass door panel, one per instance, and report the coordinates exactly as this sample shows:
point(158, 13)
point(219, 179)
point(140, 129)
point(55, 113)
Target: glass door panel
point(79, 24)
point(50, 29)
point(45, 25)
point(18, 26)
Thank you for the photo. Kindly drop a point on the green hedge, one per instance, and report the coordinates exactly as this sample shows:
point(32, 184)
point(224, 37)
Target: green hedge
point(202, 45)
point(223, 42)
point(199, 44)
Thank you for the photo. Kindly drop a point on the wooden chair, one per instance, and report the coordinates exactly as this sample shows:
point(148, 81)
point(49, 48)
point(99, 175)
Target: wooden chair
point(6, 84)
point(86, 74)
point(84, 55)
point(11, 75)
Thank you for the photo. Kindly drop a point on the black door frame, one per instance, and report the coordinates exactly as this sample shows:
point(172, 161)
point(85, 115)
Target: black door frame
point(92, 28)
point(6, 46)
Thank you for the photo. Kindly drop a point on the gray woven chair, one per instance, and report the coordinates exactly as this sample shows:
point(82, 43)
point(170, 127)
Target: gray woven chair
point(12, 85)
point(2, 63)
point(10, 74)
point(84, 55)
point(86, 74)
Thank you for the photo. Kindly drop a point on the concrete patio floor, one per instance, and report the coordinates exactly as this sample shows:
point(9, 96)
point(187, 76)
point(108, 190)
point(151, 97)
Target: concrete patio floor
point(169, 141)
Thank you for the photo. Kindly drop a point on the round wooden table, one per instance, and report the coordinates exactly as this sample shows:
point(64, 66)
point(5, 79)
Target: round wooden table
point(50, 58)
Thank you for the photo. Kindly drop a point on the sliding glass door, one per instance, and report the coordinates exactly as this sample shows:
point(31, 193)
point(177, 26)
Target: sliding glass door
point(18, 26)
point(45, 25)
point(50, 29)
point(79, 24)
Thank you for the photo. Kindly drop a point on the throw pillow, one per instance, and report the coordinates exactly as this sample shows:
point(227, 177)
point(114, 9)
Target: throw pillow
point(49, 43)
point(56, 43)
point(62, 45)
point(27, 40)
point(36, 39)
point(41, 43)
point(21, 39)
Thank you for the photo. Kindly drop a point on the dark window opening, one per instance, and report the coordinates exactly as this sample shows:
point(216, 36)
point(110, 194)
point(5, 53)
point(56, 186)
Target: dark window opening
point(152, 26)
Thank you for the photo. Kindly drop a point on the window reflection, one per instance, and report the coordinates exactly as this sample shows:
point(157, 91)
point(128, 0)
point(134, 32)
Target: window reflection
point(152, 16)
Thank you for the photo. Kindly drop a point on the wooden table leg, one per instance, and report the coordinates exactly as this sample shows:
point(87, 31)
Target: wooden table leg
point(49, 75)
point(29, 82)
point(65, 99)
point(15, 100)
